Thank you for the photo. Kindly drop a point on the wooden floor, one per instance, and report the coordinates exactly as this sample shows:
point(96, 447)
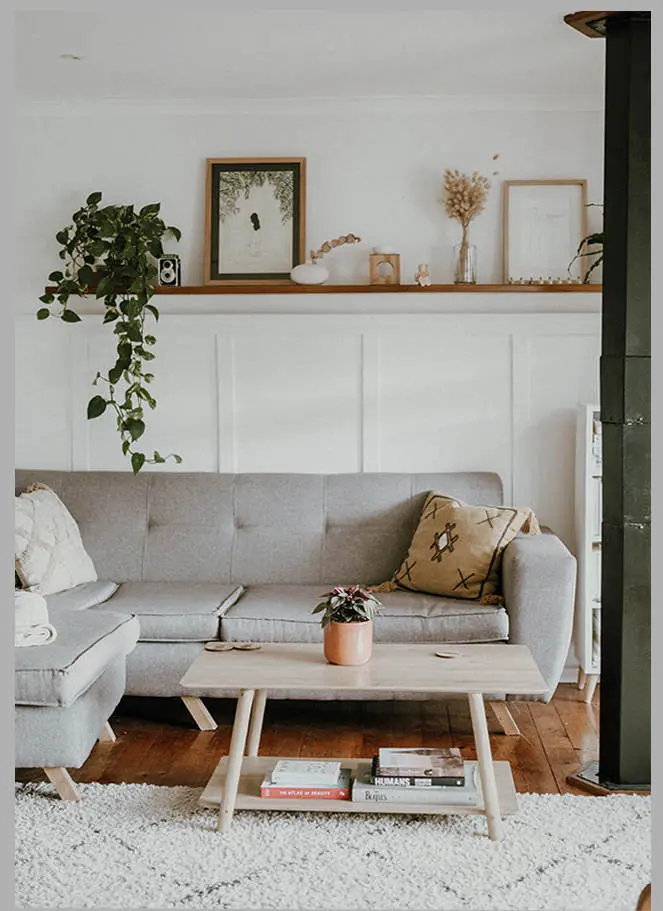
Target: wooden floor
point(158, 743)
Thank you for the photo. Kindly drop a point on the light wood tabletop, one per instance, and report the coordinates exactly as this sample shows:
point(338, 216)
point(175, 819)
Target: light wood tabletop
point(412, 667)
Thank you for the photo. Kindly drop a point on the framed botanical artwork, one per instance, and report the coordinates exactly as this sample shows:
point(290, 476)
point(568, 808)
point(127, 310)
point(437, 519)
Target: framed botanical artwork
point(544, 223)
point(254, 218)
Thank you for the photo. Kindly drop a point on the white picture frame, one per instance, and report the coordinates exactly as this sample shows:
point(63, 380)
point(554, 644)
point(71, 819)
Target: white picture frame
point(544, 223)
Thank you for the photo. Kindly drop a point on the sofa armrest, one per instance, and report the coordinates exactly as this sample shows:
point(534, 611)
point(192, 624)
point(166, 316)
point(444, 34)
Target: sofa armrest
point(538, 580)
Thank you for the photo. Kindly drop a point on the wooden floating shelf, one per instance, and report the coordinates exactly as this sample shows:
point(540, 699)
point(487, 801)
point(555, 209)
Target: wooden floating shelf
point(294, 288)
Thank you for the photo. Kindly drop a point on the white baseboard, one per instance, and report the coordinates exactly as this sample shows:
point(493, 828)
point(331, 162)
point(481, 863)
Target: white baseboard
point(569, 674)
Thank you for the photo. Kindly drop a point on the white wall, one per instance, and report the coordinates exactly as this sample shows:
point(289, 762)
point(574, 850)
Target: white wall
point(374, 168)
point(320, 382)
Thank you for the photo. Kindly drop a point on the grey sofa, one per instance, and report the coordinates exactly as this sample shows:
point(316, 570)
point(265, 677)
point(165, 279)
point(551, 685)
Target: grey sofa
point(200, 556)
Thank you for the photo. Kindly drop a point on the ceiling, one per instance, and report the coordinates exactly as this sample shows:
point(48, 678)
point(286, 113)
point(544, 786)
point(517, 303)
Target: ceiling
point(217, 55)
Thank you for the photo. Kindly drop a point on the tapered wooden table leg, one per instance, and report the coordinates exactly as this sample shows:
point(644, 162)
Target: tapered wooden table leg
point(255, 728)
point(237, 744)
point(486, 771)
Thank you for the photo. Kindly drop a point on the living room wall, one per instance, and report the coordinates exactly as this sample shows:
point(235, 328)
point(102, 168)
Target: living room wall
point(374, 168)
point(436, 382)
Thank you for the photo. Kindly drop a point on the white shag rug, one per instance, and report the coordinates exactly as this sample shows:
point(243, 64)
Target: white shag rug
point(145, 846)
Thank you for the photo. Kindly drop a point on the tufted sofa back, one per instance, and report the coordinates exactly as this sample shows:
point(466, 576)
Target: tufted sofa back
point(251, 528)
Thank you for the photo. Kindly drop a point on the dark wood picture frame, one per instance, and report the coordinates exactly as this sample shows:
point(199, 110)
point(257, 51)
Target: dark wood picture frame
point(289, 199)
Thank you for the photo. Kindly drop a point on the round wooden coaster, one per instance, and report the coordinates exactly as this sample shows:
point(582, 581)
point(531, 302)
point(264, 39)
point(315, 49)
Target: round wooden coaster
point(218, 646)
point(447, 654)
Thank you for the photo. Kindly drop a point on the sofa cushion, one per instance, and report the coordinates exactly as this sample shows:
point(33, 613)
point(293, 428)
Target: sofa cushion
point(81, 596)
point(456, 549)
point(174, 611)
point(87, 642)
point(282, 613)
point(48, 550)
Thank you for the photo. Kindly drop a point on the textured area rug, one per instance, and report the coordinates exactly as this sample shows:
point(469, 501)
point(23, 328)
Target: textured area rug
point(144, 846)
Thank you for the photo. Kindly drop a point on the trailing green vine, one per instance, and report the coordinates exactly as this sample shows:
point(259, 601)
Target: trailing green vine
point(112, 251)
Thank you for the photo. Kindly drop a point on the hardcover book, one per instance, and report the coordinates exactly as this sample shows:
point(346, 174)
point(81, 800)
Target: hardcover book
point(414, 781)
point(339, 791)
point(420, 762)
point(306, 772)
point(467, 796)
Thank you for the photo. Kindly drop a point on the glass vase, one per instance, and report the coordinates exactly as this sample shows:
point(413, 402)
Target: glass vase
point(465, 260)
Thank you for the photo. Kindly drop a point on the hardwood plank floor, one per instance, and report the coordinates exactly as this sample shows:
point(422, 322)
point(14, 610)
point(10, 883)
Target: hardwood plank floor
point(158, 742)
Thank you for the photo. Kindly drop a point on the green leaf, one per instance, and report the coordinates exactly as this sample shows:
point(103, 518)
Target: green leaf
point(133, 332)
point(177, 234)
point(96, 406)
point(150, 340)
point(47, 298)
point(153, 310)
point(43, 313)
point(98, 247)
point(85, 275)
point(158, 458)
point(104, 287)
point(93, 199)
point(115, 373)
point(125, 447)
point(55, 276)
point(136, 428)
point(178, 458)
point(62, 237)
point(137, 461)
point(124, 352)
point(151, 209)
point(110, 315)
point(70, 317)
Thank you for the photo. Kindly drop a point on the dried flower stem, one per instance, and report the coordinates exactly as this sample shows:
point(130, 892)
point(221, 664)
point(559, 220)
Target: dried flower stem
point(330, 244)
point(465, 197)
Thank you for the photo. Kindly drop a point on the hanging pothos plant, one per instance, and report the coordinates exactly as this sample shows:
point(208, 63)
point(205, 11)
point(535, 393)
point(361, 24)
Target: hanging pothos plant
point(111, 251)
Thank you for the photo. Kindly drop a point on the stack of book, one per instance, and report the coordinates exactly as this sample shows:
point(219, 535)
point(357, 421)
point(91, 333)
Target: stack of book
point(307, 778)
point(417, 775)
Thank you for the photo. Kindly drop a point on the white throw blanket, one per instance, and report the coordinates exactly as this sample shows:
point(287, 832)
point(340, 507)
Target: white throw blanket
point(31, 626)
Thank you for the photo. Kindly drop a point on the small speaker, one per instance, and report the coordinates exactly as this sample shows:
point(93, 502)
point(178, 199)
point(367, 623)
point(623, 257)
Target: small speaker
point(168, 269)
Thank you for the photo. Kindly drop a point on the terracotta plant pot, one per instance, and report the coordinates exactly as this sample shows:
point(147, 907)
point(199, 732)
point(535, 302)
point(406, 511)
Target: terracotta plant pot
point(348, 643)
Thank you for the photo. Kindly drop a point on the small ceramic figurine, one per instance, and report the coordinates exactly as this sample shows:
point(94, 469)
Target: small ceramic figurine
point(421, 276)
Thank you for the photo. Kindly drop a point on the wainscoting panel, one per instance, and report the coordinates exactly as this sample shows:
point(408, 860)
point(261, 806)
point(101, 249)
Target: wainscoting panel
point(445, 401)
point(297, 401)
point(42, 411)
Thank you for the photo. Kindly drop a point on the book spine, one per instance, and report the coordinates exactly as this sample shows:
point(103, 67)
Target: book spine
point(372, 794)
point(274, 790)
point(399, 782)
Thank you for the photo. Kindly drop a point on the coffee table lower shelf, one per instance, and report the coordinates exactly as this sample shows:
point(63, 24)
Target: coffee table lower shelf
point(254, 769)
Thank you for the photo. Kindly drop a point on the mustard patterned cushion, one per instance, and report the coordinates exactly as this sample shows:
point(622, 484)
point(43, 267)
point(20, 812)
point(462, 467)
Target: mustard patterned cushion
point(456, 549)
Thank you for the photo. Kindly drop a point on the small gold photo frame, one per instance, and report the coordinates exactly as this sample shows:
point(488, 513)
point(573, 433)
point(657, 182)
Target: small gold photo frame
point(385, 268)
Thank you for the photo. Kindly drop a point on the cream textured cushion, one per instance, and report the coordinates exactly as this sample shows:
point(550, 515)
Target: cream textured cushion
point(456, 549)
point(48, 549)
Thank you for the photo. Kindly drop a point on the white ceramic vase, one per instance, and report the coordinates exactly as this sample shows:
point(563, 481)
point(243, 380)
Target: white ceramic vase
point(310, 274)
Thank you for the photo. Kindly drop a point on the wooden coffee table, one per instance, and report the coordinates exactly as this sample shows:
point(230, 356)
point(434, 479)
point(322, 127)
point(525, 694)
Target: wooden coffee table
point(476, 669)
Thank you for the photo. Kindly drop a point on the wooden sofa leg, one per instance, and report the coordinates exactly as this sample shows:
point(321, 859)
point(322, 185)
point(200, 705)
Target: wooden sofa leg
point(592, 680)
point(200, 714)
point(505, 718)
point(107, 734)
point(63, 783)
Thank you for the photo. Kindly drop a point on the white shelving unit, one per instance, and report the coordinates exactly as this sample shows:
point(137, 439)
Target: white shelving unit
point(588, 514)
